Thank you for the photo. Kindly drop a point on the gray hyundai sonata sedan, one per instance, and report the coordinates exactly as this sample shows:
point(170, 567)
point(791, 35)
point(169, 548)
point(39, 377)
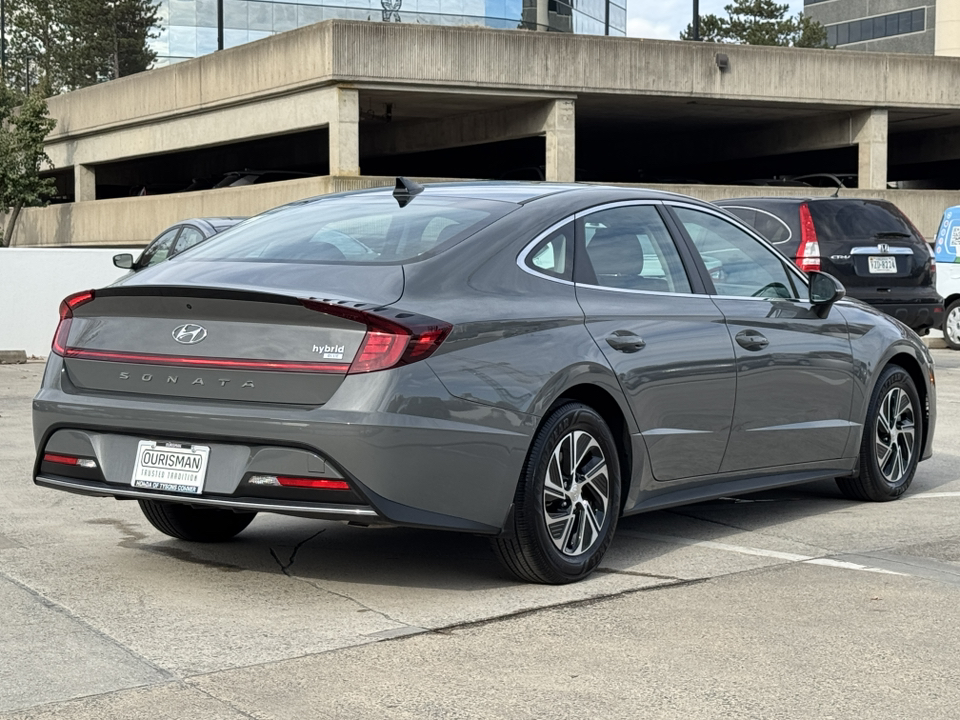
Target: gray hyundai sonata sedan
point(523, 361)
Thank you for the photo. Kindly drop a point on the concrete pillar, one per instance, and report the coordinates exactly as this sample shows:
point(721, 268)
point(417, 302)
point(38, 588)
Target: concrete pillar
point(84, 183)
point(870, 133)
point(344, 114)
point(543, 14)
point(561, 136)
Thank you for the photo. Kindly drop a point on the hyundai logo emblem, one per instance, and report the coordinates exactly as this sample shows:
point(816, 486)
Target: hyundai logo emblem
point(189, 334)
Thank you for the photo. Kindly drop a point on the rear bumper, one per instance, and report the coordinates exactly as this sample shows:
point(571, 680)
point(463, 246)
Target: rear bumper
point(443, 463)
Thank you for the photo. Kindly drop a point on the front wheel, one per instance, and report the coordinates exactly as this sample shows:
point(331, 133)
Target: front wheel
point(951, 325)
point(892, 437)
point(197, 524)
point(567, 501)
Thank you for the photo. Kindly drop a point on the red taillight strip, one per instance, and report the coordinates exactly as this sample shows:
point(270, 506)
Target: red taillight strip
point(203, 362)
point(60, 459)
point(313, 483)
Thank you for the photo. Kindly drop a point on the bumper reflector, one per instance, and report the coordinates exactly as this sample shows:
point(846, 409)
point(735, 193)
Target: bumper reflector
point(299, 482)
point(69, 460)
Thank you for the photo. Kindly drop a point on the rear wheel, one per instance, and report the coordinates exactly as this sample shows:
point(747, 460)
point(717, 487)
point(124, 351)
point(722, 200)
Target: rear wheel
point(567, 500)
point(196, 524)
point(890, 448)
point(951, 325)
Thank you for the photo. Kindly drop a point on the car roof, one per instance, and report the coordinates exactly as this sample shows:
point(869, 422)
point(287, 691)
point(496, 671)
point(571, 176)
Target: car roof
point(520, 192)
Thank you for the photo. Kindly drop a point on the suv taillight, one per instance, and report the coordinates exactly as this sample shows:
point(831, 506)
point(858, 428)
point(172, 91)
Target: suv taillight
point(808, 254)
point(69, 304)
point(390, 341)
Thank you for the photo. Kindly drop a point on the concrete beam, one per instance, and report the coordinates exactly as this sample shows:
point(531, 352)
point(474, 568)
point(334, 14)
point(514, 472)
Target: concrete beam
point(84, 183)
point(805, 135)
point(870, 132)
point(553, 119)
point(527, 120)
point(344, 123)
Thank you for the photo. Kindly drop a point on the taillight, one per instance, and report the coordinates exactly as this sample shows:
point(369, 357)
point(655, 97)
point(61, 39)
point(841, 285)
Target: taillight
point(808, 254)
point(299, 482)
point(69, 460)
point(390, 341)
point(69, 304)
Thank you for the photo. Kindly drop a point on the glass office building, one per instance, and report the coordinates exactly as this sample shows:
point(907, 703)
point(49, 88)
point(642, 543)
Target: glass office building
point(189, 27)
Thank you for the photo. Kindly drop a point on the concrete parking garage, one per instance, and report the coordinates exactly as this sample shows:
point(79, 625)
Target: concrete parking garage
point(354, 103)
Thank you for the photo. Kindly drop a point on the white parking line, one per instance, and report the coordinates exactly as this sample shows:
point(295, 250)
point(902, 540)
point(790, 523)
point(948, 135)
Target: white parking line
point(747, 550)
point(932, 495)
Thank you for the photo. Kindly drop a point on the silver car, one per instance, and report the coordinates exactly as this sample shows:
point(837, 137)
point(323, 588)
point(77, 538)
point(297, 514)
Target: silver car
point(525, 361)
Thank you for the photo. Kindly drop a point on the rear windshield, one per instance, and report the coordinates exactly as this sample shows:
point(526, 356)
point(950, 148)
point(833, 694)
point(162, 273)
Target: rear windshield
point(859, 220)
point(361, 228)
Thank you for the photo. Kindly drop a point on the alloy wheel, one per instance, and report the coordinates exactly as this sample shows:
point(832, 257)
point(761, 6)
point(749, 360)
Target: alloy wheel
point(576, 493)
point(896, 428)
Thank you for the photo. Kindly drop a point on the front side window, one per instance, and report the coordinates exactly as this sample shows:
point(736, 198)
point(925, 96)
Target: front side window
point(630, 248)
point(739, 264)
point(363, 228)
point(189, 237)
point(159, 249)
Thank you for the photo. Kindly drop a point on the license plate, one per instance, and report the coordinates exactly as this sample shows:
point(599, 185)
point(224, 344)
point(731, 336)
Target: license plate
point(882, 264)
point(170, 467)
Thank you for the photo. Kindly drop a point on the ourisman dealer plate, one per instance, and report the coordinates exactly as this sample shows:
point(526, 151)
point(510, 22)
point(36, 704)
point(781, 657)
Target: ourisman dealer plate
point(170, 467)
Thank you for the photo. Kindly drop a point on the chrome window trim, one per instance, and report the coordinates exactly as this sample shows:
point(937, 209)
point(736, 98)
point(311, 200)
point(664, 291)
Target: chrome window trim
point(791, 268)
point(528, 248)
point(641, 292)
point(875, 250)
point(765, 212)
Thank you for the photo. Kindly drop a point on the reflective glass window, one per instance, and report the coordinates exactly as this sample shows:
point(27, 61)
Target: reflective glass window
point(207, 13)
point(630, 248)
point(739, 265)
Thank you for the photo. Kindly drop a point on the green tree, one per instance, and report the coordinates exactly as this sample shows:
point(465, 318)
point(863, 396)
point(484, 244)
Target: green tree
point(22, 132)
point(75, 43)
point(760, 22)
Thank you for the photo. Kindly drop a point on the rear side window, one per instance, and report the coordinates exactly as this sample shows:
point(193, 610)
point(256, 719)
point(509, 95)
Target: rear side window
point(858, 220)
point(553, 255)
point(361, 228)
point(775, 230)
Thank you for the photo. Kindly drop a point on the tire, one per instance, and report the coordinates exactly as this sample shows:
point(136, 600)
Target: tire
point(196, 524)
point(951, 325)
point(888, 460)
point(564, 517)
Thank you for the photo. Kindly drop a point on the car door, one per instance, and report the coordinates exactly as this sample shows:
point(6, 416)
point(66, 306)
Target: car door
point(665, 339)
point(795, 371)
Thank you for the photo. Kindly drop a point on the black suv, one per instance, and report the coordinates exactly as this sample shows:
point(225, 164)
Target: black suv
point(869, 245)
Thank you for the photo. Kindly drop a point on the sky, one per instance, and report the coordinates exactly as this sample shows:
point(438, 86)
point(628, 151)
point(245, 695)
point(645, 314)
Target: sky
point(667, 18)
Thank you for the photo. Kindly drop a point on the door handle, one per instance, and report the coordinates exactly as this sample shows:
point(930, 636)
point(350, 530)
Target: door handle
point(625, 341)
point(751, 340)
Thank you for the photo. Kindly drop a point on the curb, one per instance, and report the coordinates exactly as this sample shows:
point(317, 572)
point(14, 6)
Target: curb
point(12, 357)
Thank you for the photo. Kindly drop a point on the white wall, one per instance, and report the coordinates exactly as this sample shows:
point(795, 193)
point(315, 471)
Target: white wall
point(33, 281)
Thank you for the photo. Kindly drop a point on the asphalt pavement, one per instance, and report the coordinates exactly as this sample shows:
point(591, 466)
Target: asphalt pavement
point(788, 604)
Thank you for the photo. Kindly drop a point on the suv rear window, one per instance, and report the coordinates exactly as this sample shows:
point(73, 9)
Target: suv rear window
point(363, 228)
point(845, 219)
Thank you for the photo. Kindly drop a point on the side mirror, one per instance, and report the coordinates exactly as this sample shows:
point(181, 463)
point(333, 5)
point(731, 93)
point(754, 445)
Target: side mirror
point(825, 290)
point(124, 261)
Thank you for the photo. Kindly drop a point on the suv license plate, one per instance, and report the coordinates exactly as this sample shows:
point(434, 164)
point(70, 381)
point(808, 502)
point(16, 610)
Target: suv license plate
point(882, 264)
point(170, 467)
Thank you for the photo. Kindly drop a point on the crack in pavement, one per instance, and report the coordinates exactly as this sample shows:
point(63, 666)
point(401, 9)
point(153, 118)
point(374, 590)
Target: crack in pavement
point(293, 555)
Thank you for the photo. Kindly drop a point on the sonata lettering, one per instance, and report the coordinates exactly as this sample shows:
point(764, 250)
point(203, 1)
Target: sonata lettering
point(174, 379)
